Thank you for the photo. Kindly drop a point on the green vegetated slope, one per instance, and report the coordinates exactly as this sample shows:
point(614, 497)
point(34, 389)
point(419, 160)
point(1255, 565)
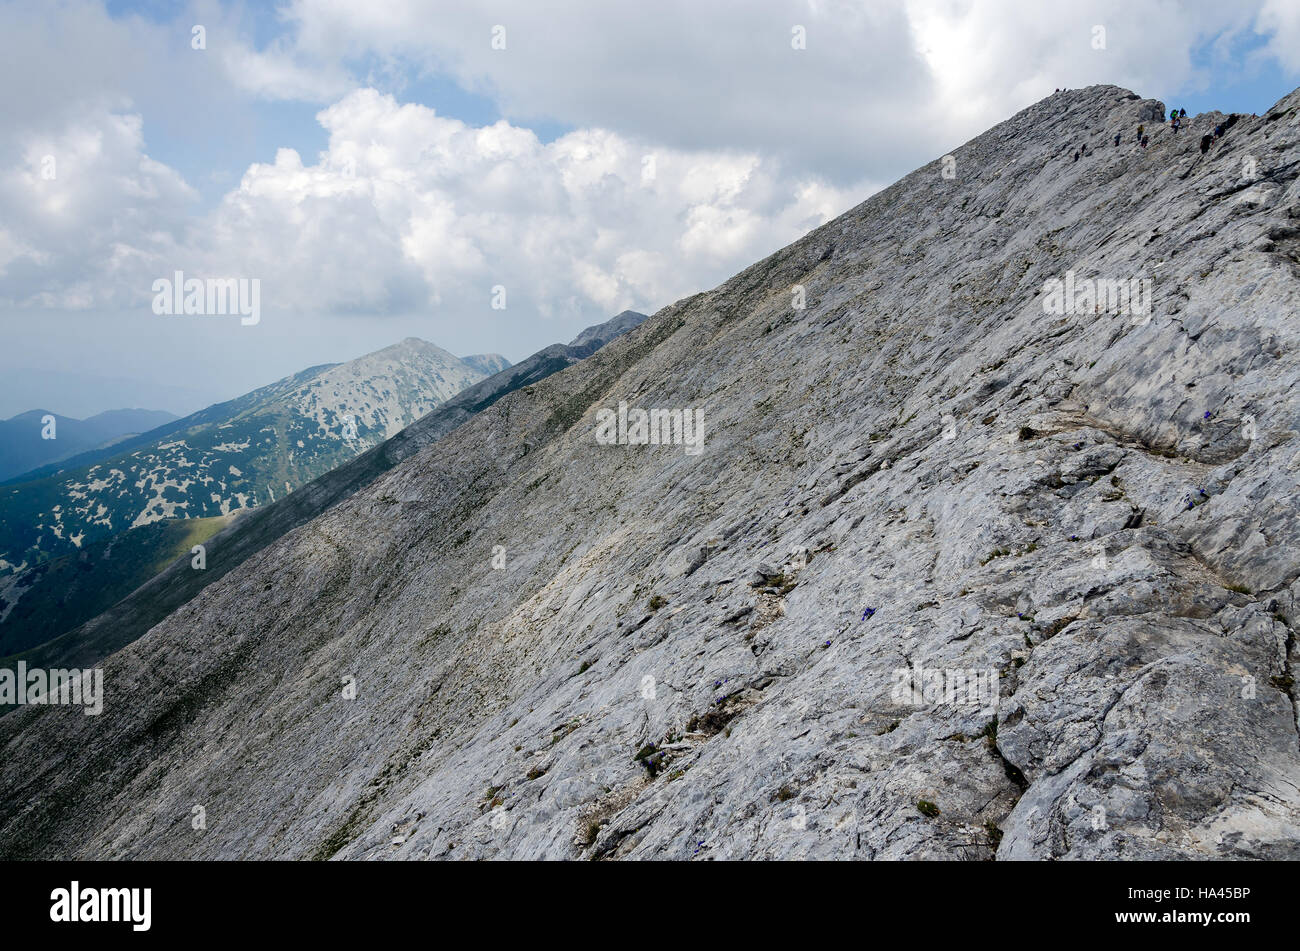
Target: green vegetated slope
point(57, 595)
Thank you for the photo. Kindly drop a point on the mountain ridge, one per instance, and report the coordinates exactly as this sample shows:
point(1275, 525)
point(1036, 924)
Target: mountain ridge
point(24, 448)
point(911, 465)
point(126, 620)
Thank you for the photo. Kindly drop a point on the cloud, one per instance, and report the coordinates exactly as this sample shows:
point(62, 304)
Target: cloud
point(88, 216)
point(704, 137)
point(1281, 19)
point(408, 210)
point(62, 58)
point(878, 89)
point(278, 73)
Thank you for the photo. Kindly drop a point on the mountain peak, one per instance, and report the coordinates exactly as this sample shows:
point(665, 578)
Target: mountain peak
point(617, 325)
point(230, 456)
point(965, 566)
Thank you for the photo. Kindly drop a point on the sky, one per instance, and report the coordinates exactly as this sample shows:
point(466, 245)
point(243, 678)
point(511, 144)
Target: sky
point(492, 176)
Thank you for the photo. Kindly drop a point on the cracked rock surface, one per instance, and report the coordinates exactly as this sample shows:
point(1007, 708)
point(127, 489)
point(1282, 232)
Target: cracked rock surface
point(699, 656)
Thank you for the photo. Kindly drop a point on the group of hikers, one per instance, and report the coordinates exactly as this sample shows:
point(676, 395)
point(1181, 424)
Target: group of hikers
point(1175, 122)
point(1218, 133)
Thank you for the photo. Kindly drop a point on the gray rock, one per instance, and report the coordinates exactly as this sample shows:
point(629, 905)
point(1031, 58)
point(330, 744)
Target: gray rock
point(1065, 660)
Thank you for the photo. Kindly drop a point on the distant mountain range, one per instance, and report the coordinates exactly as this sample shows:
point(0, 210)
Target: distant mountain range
point(27, 441)
point(51, 614)
point(230, 456)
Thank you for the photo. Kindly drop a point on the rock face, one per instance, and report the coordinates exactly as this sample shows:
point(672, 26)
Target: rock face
point(618, 324)
point(953, 576)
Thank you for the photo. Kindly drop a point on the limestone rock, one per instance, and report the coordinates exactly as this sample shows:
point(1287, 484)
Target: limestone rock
point(1016, 638)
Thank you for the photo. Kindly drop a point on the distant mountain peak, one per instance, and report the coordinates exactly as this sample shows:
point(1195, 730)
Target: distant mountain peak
point(489, 363)
point(618, 324)
point(233, 455)
point(24, 447)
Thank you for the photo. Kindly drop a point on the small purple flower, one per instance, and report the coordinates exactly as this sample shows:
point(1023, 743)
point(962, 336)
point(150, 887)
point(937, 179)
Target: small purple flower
point(828, 643)
point(1207, 415)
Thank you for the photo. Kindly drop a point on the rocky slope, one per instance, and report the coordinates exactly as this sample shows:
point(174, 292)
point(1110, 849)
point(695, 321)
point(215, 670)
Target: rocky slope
point(711, 656)
point(488, 364)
